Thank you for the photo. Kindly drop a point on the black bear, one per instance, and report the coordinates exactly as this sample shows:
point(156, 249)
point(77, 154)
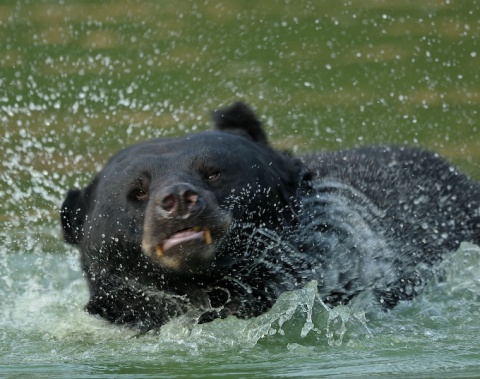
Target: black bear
point(221, 222)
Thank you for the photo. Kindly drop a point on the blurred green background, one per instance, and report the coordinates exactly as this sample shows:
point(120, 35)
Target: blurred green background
point(81, 79)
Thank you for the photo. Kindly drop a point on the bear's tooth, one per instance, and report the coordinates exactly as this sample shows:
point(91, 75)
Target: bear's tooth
point(159, 250)
point(207, 236)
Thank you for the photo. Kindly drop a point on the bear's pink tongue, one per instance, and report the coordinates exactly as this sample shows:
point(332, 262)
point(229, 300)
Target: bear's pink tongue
point(185, 236)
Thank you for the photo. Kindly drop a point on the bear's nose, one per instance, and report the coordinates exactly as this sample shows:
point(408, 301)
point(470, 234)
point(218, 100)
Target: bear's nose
point(180, 200)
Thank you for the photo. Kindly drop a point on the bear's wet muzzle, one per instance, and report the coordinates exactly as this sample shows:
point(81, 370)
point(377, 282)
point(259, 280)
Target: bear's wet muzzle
point(183, 227)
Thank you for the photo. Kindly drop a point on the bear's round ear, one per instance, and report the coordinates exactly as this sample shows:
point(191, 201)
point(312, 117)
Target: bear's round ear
point(73, 213)
point(239, 118)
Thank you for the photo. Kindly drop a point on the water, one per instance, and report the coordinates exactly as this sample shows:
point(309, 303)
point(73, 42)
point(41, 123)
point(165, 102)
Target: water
point(46, 332)
point(79, 80)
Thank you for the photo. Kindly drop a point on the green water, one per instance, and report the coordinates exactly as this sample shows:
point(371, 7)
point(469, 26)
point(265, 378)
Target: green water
point(81, 79)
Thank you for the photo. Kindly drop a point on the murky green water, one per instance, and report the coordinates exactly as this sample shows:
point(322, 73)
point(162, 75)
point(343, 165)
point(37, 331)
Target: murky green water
point(81, 79)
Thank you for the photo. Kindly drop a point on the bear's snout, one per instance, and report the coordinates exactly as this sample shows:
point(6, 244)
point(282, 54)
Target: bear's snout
point(183, 226)
point(179, 201)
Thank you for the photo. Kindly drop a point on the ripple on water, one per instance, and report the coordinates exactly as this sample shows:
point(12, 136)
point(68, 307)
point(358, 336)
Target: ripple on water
point(43, 321)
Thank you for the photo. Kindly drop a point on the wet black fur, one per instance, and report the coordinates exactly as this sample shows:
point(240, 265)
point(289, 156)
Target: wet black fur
point(368, 224)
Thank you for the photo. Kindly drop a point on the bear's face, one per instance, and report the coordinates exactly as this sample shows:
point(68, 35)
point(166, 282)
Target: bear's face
point(185, 204)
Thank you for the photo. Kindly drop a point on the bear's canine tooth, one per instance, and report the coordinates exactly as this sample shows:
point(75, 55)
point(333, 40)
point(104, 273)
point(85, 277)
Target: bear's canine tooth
point(207, 236)
point(159, 250)
point(196, 228)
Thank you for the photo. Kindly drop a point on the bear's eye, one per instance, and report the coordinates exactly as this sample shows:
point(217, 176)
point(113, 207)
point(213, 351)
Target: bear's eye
point(211, 177)
point(139, 195)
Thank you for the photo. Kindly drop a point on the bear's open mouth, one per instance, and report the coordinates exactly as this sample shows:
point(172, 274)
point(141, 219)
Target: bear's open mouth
point(183, 236)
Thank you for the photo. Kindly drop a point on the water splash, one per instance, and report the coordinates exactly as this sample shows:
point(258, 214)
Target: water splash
point(298, 317)
point(42, 318)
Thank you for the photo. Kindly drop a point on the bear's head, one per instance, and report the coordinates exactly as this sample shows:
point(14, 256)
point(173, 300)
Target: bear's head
point(185, 205)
